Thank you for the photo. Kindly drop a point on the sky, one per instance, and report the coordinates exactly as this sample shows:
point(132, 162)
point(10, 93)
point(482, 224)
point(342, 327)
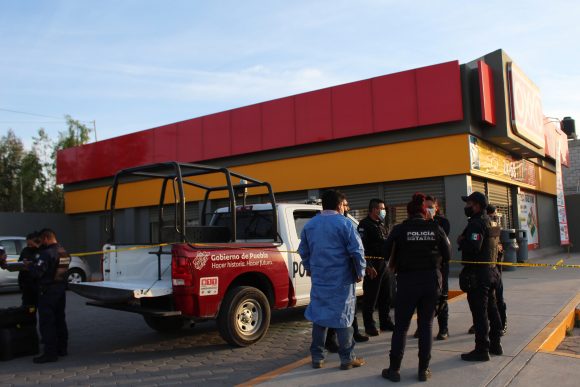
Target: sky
point(130, 65)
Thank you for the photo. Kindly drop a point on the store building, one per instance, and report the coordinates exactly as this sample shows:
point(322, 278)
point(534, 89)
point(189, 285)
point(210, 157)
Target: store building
point(445, 130)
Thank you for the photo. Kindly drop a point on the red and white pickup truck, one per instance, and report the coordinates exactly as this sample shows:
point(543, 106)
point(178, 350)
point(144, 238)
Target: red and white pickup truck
point(236, 268)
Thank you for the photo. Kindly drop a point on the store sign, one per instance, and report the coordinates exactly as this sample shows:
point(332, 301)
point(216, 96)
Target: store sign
point(553, 134)
point(528, 214)
point(526, 114)
point(496, 162)
point(561, 201)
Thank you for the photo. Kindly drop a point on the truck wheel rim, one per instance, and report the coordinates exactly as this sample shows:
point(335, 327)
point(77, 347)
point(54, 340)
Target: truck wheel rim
point(75, 278)
point(249, 317)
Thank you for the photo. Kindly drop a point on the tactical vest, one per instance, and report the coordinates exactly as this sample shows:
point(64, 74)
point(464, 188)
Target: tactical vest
point(63, 264)
point(490, 245)
point(418, 247)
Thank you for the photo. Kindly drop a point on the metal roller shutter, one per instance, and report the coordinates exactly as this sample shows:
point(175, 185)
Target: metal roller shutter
point(478, 185)
point(358, 197)
point(398, 194)
point(291, 197)
point(499, 195)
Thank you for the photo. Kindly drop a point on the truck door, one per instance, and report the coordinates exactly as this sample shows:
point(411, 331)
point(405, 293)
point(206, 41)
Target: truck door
point(297, 218)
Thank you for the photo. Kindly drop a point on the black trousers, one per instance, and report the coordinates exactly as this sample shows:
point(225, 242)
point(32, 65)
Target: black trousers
point(501, 305)
point(51, 318)
point(377, 295)
point(29, 288)
point(443, 315)
point(415, 290)
point(483, 304)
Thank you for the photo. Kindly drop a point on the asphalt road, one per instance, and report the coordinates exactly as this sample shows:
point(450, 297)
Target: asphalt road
point(117, 348)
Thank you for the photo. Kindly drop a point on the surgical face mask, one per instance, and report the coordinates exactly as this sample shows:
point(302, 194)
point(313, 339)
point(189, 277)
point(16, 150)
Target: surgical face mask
point(432, 211)
point(382, 214)
point(468, 211)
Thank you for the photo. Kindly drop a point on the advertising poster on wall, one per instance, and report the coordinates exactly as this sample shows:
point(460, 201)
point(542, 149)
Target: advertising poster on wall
point(529, 218)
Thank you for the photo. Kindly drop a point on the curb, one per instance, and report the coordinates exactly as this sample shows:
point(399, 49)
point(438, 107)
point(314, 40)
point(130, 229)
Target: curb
point(553, 334)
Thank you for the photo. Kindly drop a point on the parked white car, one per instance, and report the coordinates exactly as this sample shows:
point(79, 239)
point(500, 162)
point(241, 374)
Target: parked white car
point(78, 270)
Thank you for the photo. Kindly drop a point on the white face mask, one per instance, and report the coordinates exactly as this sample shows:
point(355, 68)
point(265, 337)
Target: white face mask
point(431, 211)
point(382, 214)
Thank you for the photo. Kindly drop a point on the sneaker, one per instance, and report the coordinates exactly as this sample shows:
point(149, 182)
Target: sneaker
point(45, 359)
point(475, 356)
point(62, 352)
point(359, 337)
point(442, 335)
point(388, 326)
point(372, 332)
point(354, 363)
point(496, 350)
point(392, 375)
point(424, 375)
point(471, 330)
point(318, 364)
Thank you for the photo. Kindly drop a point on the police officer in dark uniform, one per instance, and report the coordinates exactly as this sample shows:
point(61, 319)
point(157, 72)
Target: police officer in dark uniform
point(27, 283)
point(50, 271)
point(501, 305)
point(479, 243)
point(376, 284)
point(420, 248)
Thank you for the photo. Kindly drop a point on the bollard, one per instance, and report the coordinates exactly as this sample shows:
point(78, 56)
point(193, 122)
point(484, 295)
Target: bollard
point(522, 239)
point(510, 247)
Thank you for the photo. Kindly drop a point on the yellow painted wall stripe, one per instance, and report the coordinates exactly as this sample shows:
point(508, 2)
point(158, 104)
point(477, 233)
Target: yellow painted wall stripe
point(440, 156)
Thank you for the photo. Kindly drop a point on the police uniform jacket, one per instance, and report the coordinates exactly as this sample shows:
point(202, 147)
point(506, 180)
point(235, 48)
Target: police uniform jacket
point(419, 245)
point(51, 266)
point(480, 242)
point(29, 254)
point(373, 234)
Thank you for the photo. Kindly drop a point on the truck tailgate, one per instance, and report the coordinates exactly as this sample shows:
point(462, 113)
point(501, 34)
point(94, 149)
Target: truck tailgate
point(115, 291)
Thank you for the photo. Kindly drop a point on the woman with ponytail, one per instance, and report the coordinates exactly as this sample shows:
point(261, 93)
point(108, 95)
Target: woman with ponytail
point(417, 248)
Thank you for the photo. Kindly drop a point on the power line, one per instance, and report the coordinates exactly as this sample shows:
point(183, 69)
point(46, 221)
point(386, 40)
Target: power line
point(27, 113)
point(38, 115)
point(32, 122)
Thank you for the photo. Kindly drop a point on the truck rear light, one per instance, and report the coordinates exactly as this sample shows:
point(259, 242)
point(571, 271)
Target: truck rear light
point(178, 282)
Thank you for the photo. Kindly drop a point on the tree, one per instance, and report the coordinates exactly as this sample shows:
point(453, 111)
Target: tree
point(28, 178)
point(76, 134)
point(11, 155)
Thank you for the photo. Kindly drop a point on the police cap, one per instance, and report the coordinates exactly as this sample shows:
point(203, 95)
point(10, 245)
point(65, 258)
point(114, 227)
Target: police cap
point(476, 197)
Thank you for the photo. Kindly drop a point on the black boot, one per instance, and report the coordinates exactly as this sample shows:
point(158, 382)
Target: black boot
point(496, 349)
point(443, 334)
point(359, 337)
point(392, 373)
point(424, 371)
point(476, 355)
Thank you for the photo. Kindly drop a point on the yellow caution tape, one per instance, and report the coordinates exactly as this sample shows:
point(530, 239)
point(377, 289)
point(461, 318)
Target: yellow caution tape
point(553, 266)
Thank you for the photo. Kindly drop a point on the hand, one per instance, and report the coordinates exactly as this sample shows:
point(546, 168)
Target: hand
point(359, 279)
point(460, 238)
point(371, 272)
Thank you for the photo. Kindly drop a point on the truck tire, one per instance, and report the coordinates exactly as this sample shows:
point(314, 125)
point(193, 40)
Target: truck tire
point(164, 324)
point(244, 316)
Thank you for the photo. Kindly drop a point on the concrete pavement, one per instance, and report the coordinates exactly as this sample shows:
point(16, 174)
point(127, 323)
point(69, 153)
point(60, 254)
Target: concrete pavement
point(534, 298)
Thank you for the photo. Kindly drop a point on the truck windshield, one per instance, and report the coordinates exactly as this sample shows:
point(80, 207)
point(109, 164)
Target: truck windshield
point(251, 224)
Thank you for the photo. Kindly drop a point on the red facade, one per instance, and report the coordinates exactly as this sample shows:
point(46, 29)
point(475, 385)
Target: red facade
point(424, 96)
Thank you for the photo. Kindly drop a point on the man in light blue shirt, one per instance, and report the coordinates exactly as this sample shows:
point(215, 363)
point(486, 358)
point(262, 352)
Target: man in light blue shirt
point(333, 256)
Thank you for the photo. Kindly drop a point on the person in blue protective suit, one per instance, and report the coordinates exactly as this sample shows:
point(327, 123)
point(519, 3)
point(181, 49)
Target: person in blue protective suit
point(333, 256)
